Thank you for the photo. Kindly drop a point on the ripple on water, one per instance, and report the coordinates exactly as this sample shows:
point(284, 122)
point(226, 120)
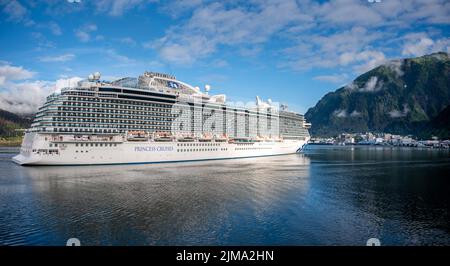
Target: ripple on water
point(326, 196)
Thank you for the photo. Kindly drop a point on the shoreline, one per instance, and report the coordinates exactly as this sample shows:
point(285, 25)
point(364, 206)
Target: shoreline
point(427, 147)
point(11, 142)
point(10, 145)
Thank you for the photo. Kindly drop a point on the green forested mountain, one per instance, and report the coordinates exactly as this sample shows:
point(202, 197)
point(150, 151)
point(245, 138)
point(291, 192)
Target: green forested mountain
point(405, 96)
point(439, 126)
point(9, 123)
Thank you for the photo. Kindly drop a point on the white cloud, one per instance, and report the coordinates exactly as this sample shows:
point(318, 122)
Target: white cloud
point(389, 12)
point(19, 95)
point(251, 51)
point(369, 59)
point(154, 65)
point(429, 11)
point(41, 41)
point(314, 34)
point(55, 28)
point(216, 24)
point(52, 26)
point(374, 30)
point(418, 44)
point(355, 114)
point(24, 97)
point(399, 113)
point(212, 78)
point(348, 12)
point(66, 83)
point(149, 45)
point(188, 53)
point(83, 36)
point(312, 26)
point(118, 7)
point(219, 63)
point(58, 58)
point(396, 66)
point(342, 48)
point(336, 78)
point(16, 12)
point(128, 41)
point(371, 85)
point(340, 113)
point(122, 59)
point(418, 48)
point(178, 7)
point(84, 33)
point(10, 73)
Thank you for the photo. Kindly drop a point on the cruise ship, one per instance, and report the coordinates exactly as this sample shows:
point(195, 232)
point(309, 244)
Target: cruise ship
point(152, 119)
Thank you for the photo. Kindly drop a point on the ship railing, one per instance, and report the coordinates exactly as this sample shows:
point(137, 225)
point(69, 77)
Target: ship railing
point(75, 139)
point(79, 88)
point(254, 139)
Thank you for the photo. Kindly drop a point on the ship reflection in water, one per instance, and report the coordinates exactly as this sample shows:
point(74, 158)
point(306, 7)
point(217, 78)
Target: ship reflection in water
point(327, 196)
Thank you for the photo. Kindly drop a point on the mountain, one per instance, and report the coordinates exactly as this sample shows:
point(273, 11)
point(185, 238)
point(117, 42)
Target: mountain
point(9, 123)
point(402, 97)
point(439, 126)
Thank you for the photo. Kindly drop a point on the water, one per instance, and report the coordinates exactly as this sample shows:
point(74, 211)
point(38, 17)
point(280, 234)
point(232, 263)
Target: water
point(327, 196)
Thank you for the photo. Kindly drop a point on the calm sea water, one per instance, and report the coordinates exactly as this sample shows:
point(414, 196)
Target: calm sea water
point(326, 196)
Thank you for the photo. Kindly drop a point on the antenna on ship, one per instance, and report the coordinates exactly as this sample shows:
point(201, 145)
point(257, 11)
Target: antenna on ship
point(94, 77)
point(258, 101)
point(207, 88)
point(97, 75)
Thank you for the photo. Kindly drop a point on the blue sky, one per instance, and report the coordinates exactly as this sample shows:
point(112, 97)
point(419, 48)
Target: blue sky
point(291, 51)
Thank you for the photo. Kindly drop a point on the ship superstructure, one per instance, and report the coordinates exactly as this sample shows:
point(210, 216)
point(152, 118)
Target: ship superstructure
point(154, 118)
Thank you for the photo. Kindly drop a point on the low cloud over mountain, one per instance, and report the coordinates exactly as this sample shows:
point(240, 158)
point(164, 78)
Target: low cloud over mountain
point(401, 96)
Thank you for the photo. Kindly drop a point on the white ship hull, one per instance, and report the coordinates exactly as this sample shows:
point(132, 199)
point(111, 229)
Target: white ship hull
point(41, 149)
